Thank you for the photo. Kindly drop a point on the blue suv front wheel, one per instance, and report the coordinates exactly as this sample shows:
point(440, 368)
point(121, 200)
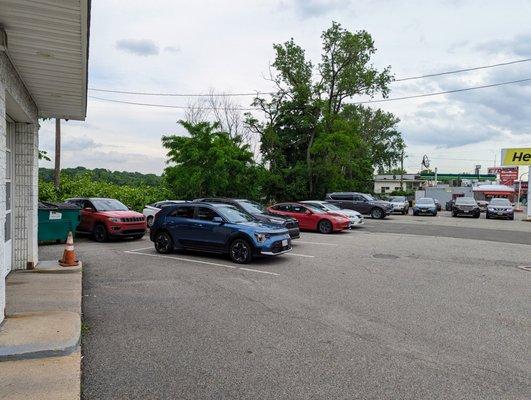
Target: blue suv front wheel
point(240, 251)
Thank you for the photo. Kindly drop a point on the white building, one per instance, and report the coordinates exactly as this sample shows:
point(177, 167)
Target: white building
point(43, 74)
point(390, 183)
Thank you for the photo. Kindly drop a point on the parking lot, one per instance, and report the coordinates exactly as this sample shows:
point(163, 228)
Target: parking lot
point(408, 307)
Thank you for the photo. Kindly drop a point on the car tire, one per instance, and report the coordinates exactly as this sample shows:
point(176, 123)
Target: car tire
point(325, 226)
point(454, 214)
point(477, 215)
point(163, 242)
point(100, 233)
point(240, 251)
point(149, 221)
point(377, 213)
point(487, 215)
point(415, 213)
point(435, 214)
point(511, 217)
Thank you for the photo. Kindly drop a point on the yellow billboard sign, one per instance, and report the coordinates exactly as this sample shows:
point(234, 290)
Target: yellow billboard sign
point(517, 156)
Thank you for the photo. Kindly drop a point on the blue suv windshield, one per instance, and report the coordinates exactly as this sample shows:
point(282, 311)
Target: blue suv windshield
point(233, 215)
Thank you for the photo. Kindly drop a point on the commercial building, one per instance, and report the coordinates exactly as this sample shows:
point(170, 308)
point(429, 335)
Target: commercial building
point(43, 74)
point(390, 183)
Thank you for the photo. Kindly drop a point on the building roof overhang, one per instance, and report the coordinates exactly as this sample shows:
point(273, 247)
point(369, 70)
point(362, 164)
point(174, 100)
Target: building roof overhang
point(47, 42)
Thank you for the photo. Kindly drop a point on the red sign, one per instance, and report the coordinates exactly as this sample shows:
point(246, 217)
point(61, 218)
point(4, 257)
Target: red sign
point(494, 170)
point(508, 175)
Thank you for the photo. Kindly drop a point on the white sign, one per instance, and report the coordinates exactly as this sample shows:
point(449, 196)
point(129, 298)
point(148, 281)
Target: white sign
point(55, 215)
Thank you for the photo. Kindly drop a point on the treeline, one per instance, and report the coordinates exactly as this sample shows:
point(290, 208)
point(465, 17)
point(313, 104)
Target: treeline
point(135, 196)
point(104, 175)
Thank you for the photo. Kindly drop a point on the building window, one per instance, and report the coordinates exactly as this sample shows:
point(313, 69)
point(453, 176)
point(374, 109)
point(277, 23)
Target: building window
point(384, 189)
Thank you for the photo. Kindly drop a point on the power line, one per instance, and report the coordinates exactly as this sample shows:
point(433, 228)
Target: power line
point(359, 102)
point(256, 93)
point(166, 105)
point(462, 70)
point(444, 92)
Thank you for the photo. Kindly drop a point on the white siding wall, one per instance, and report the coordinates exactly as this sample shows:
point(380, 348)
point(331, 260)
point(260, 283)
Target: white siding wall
point(26, 110)
point(2, 196)
point(26, 151)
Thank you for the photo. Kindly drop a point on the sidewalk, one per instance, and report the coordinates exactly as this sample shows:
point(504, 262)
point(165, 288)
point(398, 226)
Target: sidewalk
point(40, 302)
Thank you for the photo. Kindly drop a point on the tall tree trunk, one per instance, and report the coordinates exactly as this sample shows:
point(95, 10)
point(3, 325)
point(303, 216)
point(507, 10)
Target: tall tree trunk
point(57, 170)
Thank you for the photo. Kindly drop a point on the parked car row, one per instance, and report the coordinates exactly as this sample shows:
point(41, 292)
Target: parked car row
point(244, 229)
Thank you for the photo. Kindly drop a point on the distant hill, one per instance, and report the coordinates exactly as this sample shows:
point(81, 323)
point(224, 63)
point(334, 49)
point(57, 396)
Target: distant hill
point(105, 175)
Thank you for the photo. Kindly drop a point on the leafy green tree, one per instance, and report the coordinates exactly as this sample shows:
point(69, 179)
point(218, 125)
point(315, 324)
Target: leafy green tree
point(83, 185)
point(311, 139)
point(210, 163)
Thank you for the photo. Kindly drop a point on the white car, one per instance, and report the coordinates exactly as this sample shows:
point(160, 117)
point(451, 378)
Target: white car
point(151, 209)
point(355, 217)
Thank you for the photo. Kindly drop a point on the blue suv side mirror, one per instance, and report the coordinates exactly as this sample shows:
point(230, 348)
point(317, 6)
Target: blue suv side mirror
point(218, 219)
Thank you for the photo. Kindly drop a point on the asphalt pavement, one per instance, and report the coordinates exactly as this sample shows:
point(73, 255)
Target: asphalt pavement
point(398, 309)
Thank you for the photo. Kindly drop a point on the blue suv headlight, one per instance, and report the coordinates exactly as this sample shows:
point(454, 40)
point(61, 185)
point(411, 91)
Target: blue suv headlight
point(262, 237)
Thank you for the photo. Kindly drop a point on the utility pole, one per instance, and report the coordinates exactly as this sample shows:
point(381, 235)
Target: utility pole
point(57, 170)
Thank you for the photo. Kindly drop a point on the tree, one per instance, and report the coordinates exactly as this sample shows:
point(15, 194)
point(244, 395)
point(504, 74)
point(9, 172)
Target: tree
point(222, 109)
point(311, 140)
point(210, 163)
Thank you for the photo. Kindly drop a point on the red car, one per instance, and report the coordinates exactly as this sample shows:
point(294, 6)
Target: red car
point(106, 218)
point(311, 218)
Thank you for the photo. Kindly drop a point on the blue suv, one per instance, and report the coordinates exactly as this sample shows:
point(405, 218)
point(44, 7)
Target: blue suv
point(217, 228)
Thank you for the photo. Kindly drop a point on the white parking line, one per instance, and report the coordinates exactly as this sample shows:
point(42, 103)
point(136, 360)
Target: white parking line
point(324, 244)
point(199, 262)
point(143, 248)
point(299, 255)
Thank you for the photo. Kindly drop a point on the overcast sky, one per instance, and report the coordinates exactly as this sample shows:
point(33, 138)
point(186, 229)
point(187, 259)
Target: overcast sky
point(226, 45)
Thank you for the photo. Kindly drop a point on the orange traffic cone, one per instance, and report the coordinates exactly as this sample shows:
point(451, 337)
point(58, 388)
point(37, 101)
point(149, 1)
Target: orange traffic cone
point(69, 256)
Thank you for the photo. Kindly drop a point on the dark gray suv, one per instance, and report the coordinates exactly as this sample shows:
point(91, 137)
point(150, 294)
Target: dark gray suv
point(362, 203)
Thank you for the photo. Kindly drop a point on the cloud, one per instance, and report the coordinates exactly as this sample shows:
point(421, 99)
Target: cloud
point(519, 45)
point(80, 143)
point(172, 49)
point(316, 8)
point(139, 47)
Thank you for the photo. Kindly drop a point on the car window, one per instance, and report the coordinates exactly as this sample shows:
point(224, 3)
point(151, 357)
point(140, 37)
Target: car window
point(425, 200)
point(282, 207)
point(341, 196)
point(465, 200)
point(86, 204)
point(108, 205)
point(397, 198)
point(331, 206)
point(500, 202)
point(252, 207)
point(234, 215)
point(183, 212)
point(298, 208)
point(358, 198)
point(206, 214)
point(317, 206)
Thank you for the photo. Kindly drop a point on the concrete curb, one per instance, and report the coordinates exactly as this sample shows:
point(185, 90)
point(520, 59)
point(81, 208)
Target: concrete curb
point(39, 334)
point(53, 267)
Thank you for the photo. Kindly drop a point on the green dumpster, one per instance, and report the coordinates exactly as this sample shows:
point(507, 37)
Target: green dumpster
point(56, 220)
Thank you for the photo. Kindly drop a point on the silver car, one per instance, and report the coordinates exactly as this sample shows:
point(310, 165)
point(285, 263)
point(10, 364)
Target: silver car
point(400, 204)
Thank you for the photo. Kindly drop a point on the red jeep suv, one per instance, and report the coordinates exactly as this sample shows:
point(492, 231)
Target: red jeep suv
point(105, 218)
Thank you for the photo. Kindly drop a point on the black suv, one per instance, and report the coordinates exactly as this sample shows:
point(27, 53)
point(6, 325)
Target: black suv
point(362, 203)
point(260, 213)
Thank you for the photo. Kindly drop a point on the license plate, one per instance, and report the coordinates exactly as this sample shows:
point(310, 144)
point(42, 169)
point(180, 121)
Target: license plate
point(284, 242)
point(500, 213)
